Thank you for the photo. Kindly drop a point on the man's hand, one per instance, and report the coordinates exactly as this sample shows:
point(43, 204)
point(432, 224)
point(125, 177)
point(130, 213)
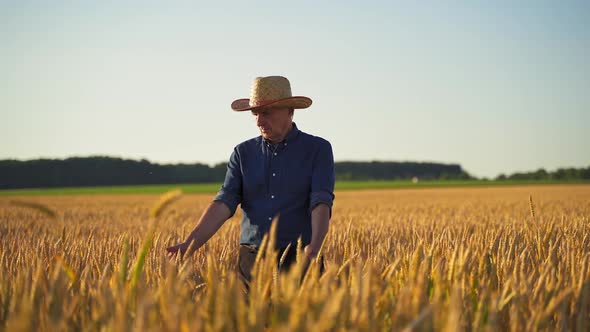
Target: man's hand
point(179, 249)
point(310, 251)
point(213, 217)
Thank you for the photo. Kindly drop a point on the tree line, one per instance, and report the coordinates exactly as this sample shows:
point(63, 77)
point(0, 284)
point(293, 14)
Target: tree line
point(109, 171)
point(561, 174)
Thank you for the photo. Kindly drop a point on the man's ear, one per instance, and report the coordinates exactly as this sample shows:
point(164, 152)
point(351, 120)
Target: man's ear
point(291, 112)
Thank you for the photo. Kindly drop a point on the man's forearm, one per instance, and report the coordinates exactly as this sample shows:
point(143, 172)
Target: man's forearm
point(320, 222)
point(211, 220)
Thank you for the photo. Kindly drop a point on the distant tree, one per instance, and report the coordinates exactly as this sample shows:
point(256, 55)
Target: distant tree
point(540, 174)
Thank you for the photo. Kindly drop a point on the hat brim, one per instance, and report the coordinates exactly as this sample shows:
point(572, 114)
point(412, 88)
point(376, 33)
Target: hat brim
point(297, 102)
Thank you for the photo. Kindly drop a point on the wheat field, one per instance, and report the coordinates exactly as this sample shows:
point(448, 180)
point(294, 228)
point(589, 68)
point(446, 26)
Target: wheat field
point(474, 259)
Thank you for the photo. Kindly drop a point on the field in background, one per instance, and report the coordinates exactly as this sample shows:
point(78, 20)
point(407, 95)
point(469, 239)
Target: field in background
point(443, 259)
point(200, 188)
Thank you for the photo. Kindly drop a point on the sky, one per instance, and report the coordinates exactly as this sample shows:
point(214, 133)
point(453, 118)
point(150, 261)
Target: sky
point(495, 86)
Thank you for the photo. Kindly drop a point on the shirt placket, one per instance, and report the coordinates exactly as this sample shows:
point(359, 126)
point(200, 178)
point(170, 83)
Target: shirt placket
point(274, 175)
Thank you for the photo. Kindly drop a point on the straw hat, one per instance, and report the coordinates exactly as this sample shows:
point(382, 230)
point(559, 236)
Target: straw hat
point(270, 90)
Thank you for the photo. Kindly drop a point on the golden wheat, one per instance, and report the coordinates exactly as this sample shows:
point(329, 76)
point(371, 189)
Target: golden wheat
point(413, 260)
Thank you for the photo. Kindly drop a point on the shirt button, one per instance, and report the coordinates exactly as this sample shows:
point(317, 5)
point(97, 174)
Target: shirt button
point(275, 153)
point(272, 196)
point(269, 218)
point(274, 174)
point(285, 144)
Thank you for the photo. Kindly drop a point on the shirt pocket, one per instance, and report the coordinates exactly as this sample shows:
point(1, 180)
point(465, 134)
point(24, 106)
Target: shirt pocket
point(298, 179)
point(255, 182)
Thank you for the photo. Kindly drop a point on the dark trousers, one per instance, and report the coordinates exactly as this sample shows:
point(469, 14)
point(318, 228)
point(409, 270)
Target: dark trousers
point(247, 257)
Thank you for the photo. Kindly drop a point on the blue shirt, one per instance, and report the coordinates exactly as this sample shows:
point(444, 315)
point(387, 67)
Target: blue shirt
point(286, 180)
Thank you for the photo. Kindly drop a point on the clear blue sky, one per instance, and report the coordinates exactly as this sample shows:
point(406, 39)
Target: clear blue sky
point(496, 86)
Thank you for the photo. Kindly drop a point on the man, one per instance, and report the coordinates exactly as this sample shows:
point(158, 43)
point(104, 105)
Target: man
point(283, 173)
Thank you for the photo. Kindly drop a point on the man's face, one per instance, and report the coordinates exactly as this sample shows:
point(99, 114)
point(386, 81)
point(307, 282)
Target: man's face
point(274, 123)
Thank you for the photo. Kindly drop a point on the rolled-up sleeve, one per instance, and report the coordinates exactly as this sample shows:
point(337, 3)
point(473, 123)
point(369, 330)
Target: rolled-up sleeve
point(231, 191)
point(323, 177)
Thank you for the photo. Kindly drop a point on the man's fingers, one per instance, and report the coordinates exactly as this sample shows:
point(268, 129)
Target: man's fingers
point(172, 255)
point(309, 252)
point(171, 252)
point(178, 249)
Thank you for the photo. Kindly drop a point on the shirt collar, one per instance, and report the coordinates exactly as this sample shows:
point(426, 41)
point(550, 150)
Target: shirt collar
point(290, 136)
